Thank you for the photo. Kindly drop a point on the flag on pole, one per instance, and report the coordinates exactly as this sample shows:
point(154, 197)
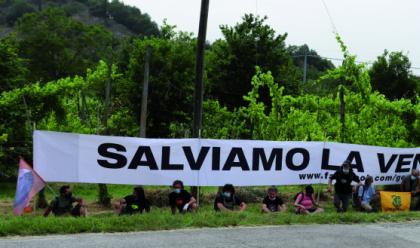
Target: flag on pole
point(28, 184)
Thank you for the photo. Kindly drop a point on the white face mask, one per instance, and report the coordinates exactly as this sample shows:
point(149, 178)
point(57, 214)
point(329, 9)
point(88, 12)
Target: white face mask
point(177, 191)
point(346, 171)
point(413, 177)
point(227, 194)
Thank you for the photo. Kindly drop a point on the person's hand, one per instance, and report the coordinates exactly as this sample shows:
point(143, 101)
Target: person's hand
point(329, 190)
point(185, 208)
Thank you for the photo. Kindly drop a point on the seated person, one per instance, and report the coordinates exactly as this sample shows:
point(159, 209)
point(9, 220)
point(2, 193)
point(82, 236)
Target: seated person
point(63, 205)
point(226, 200)
point(273, 203)
point(305, 203)
point(412, 184)
point(366, 195)
point(134, 203)
point(180, 199)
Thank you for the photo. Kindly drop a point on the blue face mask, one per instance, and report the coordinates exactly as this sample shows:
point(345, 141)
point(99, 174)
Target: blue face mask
point(177, 191)
point(227, 194)
point(413, 177)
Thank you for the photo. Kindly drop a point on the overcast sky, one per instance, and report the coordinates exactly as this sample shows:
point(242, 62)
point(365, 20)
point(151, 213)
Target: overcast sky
point(366, 26)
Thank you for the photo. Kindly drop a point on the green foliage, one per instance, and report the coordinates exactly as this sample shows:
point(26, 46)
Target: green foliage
point(57, 46)
point(391, 75)
point(132, 18)
point(12, 68)
point(171, 81)
point(18, 9)
point(231, 61)
point(162, 219)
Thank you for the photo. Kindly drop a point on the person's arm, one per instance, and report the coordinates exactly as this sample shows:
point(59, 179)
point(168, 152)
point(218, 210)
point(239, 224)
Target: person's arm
point(49, 208)
point(147, 206)
point(265, 209)
point(357, 180)
point(283, 208)
point(47, 211)
point(330, 181)
point(172, 204)
point(222, 207)
point(298, 199)
point(80, 201)
point(191, 201)
point(402, 185)
point(242, 207)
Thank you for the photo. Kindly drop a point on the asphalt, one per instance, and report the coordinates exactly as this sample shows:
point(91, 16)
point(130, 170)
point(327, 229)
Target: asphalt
point(314, 236)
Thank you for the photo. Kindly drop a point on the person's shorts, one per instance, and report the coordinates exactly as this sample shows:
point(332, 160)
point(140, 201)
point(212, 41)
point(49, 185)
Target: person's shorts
point(311, 210)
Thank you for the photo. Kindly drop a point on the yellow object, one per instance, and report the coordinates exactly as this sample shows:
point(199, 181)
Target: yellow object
point(395, 201)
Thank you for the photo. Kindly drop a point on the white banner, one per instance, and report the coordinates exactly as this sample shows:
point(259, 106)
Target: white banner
point(78, 158)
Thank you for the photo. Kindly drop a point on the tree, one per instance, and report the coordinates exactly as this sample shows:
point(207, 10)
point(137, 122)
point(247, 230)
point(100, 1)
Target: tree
point(18, 9)
point(12, 69)
point(391, 75)
point(231, 62)
point(171, 81)
point(57, 46)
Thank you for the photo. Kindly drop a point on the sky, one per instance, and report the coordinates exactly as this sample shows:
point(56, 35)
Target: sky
point(368, 27)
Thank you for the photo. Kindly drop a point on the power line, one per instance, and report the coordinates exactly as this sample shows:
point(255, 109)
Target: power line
point(341, 59)
point(335, 31)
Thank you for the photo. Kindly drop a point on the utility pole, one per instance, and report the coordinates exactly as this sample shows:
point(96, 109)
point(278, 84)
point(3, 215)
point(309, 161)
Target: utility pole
point(199, 75)
point(342, 114)
point(143, 115)
point(104, 197)
point(305, 66)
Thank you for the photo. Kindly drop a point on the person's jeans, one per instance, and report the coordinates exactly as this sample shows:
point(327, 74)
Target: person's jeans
point(341, 198)
point(415, 202)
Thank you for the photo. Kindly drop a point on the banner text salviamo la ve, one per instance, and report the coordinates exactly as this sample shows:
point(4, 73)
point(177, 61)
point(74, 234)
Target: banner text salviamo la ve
point(68, 157)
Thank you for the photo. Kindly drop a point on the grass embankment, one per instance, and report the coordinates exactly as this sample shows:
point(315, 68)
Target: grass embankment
point(162, 219)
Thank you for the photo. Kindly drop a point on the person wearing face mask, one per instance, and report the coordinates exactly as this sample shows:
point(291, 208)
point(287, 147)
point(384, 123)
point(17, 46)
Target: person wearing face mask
point(366, 195)
point(180, 199)
point(412, 184)
point(272, 202)
point(342, 188)
point(226, 200)
point(63, 205)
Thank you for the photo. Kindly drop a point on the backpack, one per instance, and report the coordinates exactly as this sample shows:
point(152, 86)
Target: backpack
point(301, 193)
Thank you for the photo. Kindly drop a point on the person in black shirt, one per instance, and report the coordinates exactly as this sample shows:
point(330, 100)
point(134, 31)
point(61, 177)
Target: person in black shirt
point(226, 200)
point(273, 203)
point(180, 199)
point(63, 205)
point(342, 187)
point(134, 203)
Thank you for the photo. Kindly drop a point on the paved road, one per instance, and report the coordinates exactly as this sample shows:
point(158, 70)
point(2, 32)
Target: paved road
point(323, 236)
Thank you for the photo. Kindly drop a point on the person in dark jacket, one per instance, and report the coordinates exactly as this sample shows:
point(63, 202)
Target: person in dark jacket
point(342, 188)
point(226, 200)
point(134, 203)
point(181, 199)
point(412, 184)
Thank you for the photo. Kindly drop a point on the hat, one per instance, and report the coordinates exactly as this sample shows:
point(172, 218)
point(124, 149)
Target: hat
point(347, 162)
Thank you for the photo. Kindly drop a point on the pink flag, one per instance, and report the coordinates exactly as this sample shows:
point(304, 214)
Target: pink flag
point(28, 184)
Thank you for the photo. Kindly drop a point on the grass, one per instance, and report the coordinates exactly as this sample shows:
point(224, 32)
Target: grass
point(162, 219)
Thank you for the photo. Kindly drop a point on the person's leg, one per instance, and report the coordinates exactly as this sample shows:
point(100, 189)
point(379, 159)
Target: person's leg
point(318, 210)
point(337, 202)
point(76, 210)
point(193, 207)
point(366, 206)
point(415, 201)
point(345, 200)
